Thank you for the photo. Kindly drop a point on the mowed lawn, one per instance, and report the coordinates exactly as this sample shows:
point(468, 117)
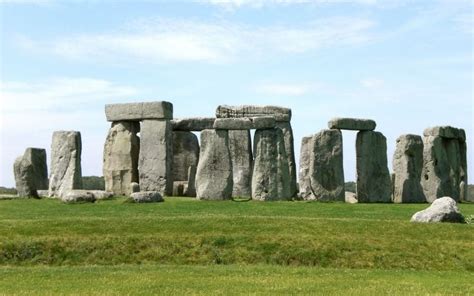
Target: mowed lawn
point(185, 246)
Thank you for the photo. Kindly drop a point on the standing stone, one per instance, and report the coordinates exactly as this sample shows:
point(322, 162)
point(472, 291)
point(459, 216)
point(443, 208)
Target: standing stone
point(190, 188)
point(326, 166)
point(121, 150)
point(304, 177)
point(407, 167)
point(240, 147)
point(373, 177)
point(66, 173)
point(271, 176)
point(214, 171)
point(185, 154)
point(156, 156)
point(444, 163)
point(31, 172)
point(287, 132)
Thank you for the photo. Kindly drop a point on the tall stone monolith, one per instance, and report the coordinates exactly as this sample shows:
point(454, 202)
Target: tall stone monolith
point(240, 147)
point(121, 150)
point(287, 132)
point(373, 177)
point(214, 170)
point(66, 172)
point(31, 172)
point(303, 173)
point(326, 166)
point(156, 156)
point(185, 154)
point(271, 175)
point(407, 166)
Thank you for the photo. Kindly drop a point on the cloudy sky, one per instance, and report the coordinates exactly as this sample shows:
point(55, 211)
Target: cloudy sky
point(406, 64)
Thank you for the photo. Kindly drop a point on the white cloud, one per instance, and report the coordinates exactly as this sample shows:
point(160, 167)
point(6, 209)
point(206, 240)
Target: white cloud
point(372, 83)
point(232, 4)
point(163, 41)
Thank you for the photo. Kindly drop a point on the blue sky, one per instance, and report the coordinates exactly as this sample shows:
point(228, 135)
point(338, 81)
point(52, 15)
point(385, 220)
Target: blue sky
point(405, 64)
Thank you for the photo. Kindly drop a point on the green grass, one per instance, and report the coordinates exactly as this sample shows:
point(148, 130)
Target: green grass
point(181, 240)
point(228, 280)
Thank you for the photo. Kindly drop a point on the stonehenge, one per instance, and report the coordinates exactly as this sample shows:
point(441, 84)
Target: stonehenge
point(444, 163)
point(148, 155)
point(407, 166)
point(31, 172)
point(66, 172)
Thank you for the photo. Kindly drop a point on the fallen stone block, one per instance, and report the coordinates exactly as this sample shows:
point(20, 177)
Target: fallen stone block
point(146, 196)
point(443, 209)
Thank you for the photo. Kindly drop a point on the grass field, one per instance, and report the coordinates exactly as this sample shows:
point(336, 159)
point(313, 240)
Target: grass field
point(184, 246)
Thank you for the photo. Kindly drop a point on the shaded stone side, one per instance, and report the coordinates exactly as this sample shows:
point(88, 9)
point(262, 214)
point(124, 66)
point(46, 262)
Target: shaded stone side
point(214, 171)
point(407, 166)
point(66, 172)
point(31, 172)
point(156, 156)
point(326, 166)
point(121, 150)
point(185, 154)
point(303, 173)
point(444, 167)
point(240, 147)
point(373, 177)
point(193, 124)
point(271, 176)
point(287, 132)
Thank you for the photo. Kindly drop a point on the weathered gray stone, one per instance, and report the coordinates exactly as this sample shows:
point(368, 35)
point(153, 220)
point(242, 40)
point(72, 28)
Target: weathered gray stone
point(195, 124)
point(190, 188)
point(156, 156)
point(407, 166)
point(352, 124)
point(214, 170)
point(447, 132)
point(43, 193)
point(326, 167)
point(304, 177)
point(373, 177)
point(279, 113)
point(240, 148)
point(66, 173)
point(121, 150)
point(271, 176)
point(444, 167)
point(178, 188)
point(76, 196)
point(146, 196)
point(139, 111)
point(185, 154)
point(350, 197)
point(287, 132)
point(244, 123)
point(31, 172)
point(135, 187)
point(443, 209)
point(101, 194)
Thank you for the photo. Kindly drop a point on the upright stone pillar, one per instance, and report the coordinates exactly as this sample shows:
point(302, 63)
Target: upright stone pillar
point(185, 154)
point(290, 153)
point(271, 176)
point(31, 172)
point(66, 172)
point(240, 147)
point(305, 162)
point(214, 171)
point(326, 167)
point(444, 163)
point(407, 167)
point(156, 156)
point(373, 177)
point(121, 151)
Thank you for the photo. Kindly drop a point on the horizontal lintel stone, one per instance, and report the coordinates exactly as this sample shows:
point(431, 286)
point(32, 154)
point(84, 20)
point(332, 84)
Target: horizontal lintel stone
point(448, 132)
point(195, 124)
point(245, 123)
point(354, 124)
point(279, 113)
point(139, 111)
